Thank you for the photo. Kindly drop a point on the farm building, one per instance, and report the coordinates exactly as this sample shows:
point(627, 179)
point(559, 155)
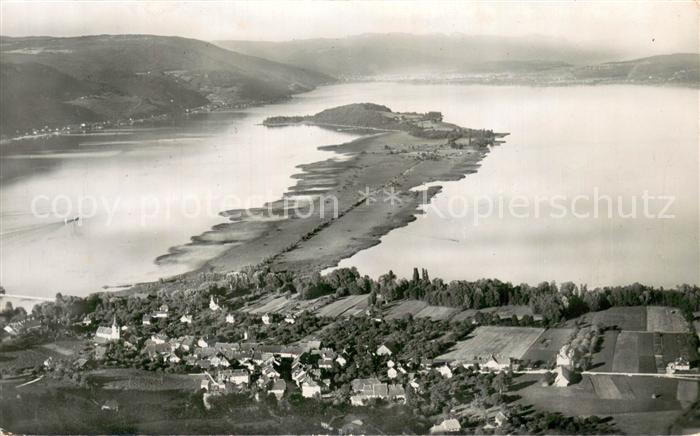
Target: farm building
point(563, 377)
point(447, 426)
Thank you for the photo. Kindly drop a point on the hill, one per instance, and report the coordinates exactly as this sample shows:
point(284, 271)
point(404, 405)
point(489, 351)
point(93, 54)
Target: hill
point(476, 59)
point(382, 54)
point(120, 76)
point(675, 68)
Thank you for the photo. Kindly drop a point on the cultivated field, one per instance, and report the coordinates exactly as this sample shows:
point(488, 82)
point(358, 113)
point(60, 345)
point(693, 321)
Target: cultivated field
point(437, 313)
point(634, 352)
point(347, 306)
point(510, 342)
point(623, 318)
point(617, 396)
point(603, 360)
point(665, 319)
point(412, 307)
point(272, 305)
point(503, 311)
point(547, 346)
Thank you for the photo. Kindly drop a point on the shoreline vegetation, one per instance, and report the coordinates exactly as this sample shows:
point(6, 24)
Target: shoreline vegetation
point(344, 204)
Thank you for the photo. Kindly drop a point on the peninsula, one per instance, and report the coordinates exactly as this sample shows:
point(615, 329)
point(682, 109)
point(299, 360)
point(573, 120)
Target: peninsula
point(344, 204)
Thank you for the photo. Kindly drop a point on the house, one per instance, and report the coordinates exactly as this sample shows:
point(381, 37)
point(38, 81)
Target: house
point(213, 305)
point(202, 343)
point(159, 338)
point(325, 363)
point(184, 342)
point(447, 426)
point(239, 377)
point(299, 375)
point(310, 389)
point(384, 350)
point(445, 371)
point(172, 358)
point(397, 393)
point(266, 319)
point(366, 389)
point(278, 388)
point(563, 376)
point(680, 364)
point(110, 405)
point(162, 312)
point(341, 360)
point(497, 363)
point(146, 320)
point(289, 319)
point(392, 373)
point(186, 319)
point(500, 418)
point(230, 319)
point(107, 334)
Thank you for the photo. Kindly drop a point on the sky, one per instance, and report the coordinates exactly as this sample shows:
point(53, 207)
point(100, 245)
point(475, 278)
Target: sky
point(633, 26)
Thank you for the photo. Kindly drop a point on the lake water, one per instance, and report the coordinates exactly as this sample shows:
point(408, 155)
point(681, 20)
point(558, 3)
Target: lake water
point(566, 145)
point(153, 188)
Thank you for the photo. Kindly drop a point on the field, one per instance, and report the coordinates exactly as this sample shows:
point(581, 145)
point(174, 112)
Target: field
point(621, 397)
point(603, 360)
point(510, 342)
point(437, 313)
point(36, 355)
point(420, 309)
point(634, 352)
point(272, 305)
point(547, 346)
point(623, 318)
point(665, 319)
point(412, 307)
point(347, 306)
point(504, 311)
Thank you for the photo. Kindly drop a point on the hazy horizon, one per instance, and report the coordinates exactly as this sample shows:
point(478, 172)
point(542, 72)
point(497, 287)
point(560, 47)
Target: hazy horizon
point(658, 27)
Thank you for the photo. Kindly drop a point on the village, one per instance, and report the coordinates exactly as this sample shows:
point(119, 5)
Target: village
point(367, 350)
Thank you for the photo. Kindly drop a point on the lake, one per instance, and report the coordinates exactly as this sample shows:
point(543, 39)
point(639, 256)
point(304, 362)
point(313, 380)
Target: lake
point(144, 190)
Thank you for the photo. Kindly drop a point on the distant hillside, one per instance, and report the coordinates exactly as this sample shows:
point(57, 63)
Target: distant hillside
point(381, 54)
point(673, 68)
point(48, 80)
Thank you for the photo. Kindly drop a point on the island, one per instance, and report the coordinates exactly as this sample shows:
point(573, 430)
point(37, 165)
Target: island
point(345, 203)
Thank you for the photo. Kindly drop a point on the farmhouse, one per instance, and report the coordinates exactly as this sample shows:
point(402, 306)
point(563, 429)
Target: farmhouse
point(680, 364)
point(384, 350)
point(447, 426)
point(563, 376)
point(310, 389)
point(162, 312)
point(213, 305)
